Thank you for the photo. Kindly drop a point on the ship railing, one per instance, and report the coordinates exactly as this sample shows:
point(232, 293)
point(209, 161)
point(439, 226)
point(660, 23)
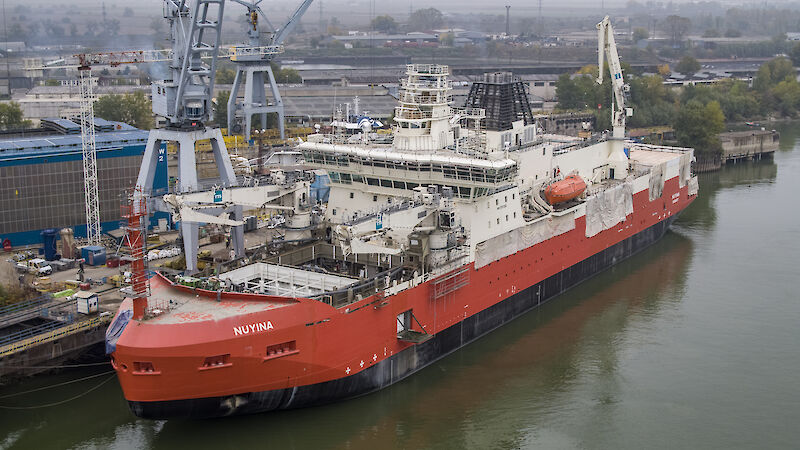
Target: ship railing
point(387, 208)
point(422, 99)
point(157, 307)
point(427, 69)
point(361, 290)
point(412, 114)
point(470, 113)
point(440, 85)
point(661, 148)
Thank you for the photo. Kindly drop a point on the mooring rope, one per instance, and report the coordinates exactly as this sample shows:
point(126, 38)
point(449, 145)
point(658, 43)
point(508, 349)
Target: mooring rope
point(16, 394)
point(64, 366)
point(49, 405)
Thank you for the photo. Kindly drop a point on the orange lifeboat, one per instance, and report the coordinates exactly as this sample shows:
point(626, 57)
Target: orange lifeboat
point(564, 190)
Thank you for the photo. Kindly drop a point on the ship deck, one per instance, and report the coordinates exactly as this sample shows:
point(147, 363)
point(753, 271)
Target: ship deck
point(173, 305)
point(653, 156)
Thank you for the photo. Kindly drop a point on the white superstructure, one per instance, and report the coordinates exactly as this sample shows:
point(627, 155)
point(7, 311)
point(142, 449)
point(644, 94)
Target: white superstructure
point(442, 193)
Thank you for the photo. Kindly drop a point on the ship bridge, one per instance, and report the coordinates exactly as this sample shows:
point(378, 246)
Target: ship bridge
point(470, 177)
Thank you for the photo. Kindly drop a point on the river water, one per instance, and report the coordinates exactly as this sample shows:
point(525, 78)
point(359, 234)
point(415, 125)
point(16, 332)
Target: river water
point(693, 343)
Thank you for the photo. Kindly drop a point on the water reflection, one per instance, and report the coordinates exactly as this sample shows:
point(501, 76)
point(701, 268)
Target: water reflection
point(702, 214)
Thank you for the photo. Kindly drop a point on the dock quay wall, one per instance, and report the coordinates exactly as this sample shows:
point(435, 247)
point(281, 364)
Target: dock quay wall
point(39, 353)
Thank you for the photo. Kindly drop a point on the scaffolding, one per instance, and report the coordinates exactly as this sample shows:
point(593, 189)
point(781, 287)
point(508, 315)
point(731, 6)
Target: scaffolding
point(135, 212)
point(89, 157)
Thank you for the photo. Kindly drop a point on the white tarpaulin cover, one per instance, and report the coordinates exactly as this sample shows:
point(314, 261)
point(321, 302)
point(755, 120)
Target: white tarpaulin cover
point(608, 208)
point(521, 238)
point(693, 186)
point(685, 170)
point(657, 181)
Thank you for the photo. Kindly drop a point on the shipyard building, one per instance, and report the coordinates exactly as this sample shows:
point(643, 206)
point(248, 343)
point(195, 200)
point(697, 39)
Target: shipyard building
point(41, 177)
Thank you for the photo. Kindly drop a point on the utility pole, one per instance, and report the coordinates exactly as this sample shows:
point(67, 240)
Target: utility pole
point(508, 18)
point(541, 30)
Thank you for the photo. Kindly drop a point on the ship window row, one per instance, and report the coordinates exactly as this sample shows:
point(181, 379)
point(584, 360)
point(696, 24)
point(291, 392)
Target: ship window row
point(413, 125)
point(346, 178)
point(458, 172)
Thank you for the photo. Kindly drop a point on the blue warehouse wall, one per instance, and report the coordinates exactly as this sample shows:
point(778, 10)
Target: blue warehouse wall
point(37, 160)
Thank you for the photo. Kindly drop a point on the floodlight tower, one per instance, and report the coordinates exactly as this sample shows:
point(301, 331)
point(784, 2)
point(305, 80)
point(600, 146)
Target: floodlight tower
point(184, 100)
point(255, 69)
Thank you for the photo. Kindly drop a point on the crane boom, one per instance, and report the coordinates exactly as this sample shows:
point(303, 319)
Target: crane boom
point(607, 49)
point(281, 35)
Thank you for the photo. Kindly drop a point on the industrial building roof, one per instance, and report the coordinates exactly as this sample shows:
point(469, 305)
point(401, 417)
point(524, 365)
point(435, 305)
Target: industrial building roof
point(59, 143)
point(378, 106)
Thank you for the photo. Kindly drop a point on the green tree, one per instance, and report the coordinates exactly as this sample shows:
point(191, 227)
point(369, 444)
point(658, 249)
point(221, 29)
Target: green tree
point(698, 126)
point(652, 102)
point(425, 19)
point(11, 116)
point(134, 109)
point(286, 74)
point(582, 93)
point(225, 75)
point(640, 33)
point(687, 66)
point(773, 72)
point(221, 111)
point(795, 54)
point(786, 95)
point(384, 24)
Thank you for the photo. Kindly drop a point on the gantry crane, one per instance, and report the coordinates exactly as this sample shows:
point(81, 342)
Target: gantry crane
point(184, 100)
point(255, 70)
point(84, 63)
point(607, 48)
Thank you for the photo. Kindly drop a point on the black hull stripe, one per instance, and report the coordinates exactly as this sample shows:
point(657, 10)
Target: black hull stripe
point(414, 358)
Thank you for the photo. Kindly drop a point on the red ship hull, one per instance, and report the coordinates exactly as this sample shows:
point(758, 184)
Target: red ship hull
point(312, 353)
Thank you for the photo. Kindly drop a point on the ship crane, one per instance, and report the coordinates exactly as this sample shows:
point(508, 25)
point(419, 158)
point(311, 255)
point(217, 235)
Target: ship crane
point(607, 49)
point(204, 206)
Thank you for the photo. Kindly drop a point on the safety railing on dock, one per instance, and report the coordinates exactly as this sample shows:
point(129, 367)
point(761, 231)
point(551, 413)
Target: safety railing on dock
point(15, 307)
point(49, 332)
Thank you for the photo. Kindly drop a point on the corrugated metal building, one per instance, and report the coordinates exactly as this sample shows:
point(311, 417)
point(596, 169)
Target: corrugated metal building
point(41, 178)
